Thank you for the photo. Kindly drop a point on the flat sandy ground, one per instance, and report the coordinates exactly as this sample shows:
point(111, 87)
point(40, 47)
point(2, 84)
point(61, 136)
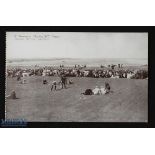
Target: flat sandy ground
point(127, 103)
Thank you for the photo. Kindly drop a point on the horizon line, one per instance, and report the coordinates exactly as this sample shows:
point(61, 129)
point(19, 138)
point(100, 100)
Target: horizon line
point(74, 58)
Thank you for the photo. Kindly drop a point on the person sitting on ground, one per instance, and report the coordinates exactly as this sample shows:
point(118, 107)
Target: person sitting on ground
point(70, 81)
point(12, 95)
point(88, 92)
point(96, 91)
point(23, 81)
point(45, 82)
point(107, 87)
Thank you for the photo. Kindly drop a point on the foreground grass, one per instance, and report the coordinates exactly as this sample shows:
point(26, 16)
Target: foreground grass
point(127, 103)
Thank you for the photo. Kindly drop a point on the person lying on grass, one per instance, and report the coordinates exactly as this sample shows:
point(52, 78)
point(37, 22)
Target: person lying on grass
point(98, 91)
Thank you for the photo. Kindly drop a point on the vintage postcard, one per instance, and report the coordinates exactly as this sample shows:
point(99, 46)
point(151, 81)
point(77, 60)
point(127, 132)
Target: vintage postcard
point(77, 76)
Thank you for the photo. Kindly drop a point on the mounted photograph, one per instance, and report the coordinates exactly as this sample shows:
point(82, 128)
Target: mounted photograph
point(77, 76)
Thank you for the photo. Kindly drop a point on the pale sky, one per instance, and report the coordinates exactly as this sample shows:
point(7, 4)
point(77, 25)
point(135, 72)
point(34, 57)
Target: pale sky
point(76, 45)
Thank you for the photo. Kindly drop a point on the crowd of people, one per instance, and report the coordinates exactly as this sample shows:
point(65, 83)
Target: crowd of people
point(112, 71)
point(63, 73)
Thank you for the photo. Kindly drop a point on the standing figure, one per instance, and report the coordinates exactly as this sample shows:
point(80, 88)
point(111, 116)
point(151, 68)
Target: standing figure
point(63, 81)
point(78, 73)
point(18, 77)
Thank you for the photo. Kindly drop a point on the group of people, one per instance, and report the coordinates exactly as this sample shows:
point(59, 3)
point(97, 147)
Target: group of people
point(62, 83)
point(98, 90)
point(53, 85)
point(102, 72)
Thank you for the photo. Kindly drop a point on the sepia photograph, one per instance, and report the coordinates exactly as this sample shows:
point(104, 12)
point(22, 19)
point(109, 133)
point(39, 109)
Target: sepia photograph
point(77, 76)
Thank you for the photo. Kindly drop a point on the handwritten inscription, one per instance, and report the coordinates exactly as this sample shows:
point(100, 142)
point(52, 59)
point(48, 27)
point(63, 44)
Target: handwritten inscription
point(35, 37)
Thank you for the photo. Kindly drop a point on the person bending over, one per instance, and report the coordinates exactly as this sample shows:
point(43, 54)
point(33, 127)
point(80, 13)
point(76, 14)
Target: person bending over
point(54, 85)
